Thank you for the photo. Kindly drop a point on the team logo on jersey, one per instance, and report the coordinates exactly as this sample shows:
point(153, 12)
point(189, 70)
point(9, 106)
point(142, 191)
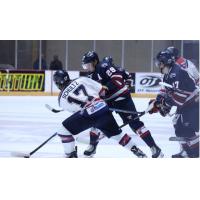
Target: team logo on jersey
point(172, 75)
point(150, 81)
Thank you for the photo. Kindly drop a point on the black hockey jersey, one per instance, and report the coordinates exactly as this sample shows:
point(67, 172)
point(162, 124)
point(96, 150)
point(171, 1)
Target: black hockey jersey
point(184, 86)
point(113, 78)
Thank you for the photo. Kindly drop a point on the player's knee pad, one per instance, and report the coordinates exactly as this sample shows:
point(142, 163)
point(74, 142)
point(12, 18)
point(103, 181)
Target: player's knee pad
point(136, 124)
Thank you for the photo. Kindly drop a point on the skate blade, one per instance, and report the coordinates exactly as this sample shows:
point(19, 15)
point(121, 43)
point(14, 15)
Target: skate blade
point(91, 156)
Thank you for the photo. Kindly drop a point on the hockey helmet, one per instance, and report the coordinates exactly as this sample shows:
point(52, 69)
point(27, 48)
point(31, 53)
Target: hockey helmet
point(89, 57)
point(164, 61)
point(108, 59)
point(174, 51)
point(61, 79)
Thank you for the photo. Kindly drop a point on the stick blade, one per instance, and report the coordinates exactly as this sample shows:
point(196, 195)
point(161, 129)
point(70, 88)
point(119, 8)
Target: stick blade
point(48, 107)
point(52, 109)
point(183, 139)
point(19, 154)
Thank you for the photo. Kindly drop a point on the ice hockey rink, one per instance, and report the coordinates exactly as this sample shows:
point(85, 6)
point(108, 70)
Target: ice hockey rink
point(25, 123)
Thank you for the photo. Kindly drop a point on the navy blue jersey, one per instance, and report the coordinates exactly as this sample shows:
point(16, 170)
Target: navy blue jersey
point(184, 85)
point(113, 78)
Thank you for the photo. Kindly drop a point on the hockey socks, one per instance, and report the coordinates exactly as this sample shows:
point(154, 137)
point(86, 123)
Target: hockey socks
point(127, 142)
point(146, 136)
point(94, 136)
point(69, 145)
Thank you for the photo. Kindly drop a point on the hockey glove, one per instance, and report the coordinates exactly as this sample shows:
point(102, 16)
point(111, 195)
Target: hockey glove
point(155, 109)
point(163, 104)
point(103, 92)
point(129, 83)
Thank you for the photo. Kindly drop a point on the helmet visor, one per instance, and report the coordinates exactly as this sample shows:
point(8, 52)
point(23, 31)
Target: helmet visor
point(88, 67)
point(158, 63)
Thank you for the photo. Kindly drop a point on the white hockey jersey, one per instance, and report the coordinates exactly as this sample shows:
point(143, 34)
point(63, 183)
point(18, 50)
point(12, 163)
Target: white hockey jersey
point(78, 93)
point(190, 68)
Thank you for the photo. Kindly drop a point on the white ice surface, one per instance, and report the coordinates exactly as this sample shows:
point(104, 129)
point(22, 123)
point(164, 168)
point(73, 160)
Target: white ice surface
point(25, 123)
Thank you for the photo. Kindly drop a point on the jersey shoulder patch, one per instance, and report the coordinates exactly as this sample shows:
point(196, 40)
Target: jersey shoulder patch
point(182, 62)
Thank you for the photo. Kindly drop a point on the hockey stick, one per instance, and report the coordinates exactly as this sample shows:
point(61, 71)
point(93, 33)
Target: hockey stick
point(28, 155)
point(53, 109)
point(166, 85)
point(111, 109)
point(183, 139)
point(126, 111)
point(175, 89)
point(139, 115)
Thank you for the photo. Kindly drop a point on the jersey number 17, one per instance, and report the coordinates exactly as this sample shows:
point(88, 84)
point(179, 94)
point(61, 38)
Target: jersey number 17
point(77, 92)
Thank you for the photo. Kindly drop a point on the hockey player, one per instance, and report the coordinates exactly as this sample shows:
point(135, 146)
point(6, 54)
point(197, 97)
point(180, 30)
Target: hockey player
point(82, 97)
point(117, 95)
point(185, 64)
point(182, 93)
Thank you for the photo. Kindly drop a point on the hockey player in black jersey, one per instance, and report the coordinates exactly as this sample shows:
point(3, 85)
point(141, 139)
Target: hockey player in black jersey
point(117, 95)
point(182, 93)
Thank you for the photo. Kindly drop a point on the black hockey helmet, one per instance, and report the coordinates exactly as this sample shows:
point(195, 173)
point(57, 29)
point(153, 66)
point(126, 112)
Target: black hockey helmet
point(164, 61)
point(108, 59)
point(90, 57)
point(61, 79)
point(174, 51)
point(164, 57)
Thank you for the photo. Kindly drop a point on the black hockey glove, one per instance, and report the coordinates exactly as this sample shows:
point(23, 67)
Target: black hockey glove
point(163, 104)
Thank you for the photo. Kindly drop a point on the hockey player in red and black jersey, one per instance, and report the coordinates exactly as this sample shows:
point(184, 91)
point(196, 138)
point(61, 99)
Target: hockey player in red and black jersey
point(117, 95)
point(180, 91)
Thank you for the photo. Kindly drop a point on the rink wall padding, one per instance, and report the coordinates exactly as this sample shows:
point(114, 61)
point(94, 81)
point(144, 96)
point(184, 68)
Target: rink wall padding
point(27, 94)
point(56, 94)
point(40, 83)
point(22, 80)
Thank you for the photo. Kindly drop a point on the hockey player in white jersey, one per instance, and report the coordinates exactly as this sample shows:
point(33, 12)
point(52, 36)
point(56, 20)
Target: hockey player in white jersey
point(82, 97)
point(185, 64)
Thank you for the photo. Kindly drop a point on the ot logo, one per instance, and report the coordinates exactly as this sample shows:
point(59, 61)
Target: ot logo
point(150, 81)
